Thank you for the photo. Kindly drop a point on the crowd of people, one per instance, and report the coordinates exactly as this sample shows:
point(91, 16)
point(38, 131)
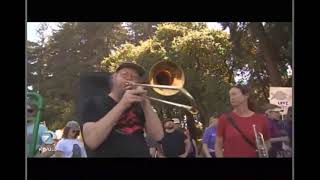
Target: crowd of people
point(124, 124)
point(48, 144)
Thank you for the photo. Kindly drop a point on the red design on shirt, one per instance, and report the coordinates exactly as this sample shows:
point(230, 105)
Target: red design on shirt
point(233, 143)
point(129, 123)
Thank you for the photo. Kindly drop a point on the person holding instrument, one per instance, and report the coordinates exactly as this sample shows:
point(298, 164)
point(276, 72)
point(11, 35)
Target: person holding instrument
point(113, 125)
point(237, 131)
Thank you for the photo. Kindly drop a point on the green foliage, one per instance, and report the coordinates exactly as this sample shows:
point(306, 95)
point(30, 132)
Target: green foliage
point(140, 31)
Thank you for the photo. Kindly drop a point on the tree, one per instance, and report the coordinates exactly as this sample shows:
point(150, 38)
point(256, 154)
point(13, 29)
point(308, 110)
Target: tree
point(140, 31)
point(33, 50)
point(75, 48)
point(262, 52)
point(269, 51)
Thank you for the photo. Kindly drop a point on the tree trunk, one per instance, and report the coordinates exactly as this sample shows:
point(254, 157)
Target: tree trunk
point(148, 29)
point(270, 53)
point(203, 113)
point(202, 110)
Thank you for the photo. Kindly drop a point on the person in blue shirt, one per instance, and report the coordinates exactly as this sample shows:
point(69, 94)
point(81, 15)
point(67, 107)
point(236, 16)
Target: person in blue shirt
point(278, 130)
point(209, 138)
point(289, 125)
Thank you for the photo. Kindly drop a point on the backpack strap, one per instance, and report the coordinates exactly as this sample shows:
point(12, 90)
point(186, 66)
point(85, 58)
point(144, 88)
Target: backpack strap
point(233, 123)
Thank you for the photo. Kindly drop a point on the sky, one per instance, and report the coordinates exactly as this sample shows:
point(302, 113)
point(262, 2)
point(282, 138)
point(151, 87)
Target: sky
point(32, 30)
point(33, 26)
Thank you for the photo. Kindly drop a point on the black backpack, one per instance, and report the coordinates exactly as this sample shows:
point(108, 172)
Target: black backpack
point(76, 151)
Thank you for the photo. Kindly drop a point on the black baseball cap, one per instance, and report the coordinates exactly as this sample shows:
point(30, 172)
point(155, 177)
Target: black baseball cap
point(141, 71)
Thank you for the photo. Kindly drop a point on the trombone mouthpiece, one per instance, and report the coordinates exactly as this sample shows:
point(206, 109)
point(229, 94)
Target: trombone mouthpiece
point(129, 84)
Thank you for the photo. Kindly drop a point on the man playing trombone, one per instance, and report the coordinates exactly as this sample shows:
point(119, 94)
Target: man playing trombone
point(113, 125)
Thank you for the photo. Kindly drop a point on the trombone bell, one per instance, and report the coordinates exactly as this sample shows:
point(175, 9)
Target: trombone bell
point(166, 73)
point(167, 79)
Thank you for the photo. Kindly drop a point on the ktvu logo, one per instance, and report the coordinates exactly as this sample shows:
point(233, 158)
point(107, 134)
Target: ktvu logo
point(43, 149)
point(47, 139)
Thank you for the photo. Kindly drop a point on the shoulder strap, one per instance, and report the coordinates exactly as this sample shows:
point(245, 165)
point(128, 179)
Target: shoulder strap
point(233, 123)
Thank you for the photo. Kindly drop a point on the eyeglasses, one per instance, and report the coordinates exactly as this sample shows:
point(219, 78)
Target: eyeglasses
point(30, 110)
point(126, 75)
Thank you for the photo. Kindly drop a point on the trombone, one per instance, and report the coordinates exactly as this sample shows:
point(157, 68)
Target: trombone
point(167, 79)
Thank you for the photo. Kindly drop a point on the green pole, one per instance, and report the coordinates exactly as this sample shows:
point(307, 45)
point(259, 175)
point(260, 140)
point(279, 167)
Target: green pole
point(35, 137)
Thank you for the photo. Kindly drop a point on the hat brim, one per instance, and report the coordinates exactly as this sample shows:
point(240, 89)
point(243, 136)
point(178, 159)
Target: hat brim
point(138, 68)
point(74, 127)
point(168, 120)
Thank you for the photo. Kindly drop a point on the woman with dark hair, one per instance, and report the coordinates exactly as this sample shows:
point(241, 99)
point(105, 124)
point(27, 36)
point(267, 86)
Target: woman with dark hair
point(69, 145)
point(240, 141)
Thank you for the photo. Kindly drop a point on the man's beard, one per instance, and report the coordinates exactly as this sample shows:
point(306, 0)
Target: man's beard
point(120, 90)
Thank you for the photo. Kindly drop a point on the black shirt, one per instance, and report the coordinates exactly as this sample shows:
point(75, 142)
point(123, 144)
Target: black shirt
point(126, 138)
point(173, 143)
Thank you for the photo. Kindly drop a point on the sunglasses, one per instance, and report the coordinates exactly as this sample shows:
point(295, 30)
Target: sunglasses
point(30, 110)
point(75, 131)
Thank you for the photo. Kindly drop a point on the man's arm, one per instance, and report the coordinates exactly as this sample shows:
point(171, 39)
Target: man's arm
point(218, 146)
point(94, 133)
point(195, 147)
point(187, 148)
point(205, 141)
point(153, 124)
point(206, 150)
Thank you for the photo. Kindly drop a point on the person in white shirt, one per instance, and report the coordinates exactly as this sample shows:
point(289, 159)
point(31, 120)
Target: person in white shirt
point(70, 145)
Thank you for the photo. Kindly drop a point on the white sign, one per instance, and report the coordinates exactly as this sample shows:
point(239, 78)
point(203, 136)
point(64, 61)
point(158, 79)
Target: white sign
point(281, 96)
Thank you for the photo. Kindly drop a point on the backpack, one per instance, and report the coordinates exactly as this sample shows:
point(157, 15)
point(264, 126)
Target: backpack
point(76, 151)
